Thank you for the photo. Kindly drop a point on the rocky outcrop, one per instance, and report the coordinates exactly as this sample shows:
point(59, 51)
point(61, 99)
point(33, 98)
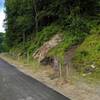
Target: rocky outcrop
point(41, 53)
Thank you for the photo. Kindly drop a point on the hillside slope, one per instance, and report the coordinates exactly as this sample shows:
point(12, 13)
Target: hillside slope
point(89, 54)
point(81, 55)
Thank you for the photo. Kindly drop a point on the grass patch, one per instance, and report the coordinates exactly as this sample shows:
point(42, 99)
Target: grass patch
point(87, 54)
point(32, 45)
point(32, 65)
point(68, 41)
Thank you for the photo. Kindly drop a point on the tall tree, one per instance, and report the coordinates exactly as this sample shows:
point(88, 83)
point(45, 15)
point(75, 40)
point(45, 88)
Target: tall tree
point(27, 17)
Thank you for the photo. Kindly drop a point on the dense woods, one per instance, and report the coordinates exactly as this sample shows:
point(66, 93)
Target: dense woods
point(1, 41)
point(3, 46)
point(24, 18)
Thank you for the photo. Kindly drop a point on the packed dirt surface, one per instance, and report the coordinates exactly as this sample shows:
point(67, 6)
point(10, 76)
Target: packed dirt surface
point(74, 90)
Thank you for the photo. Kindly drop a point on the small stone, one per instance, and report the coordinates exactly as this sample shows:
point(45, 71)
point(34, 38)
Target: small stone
point(92, 66)
point(83, 74)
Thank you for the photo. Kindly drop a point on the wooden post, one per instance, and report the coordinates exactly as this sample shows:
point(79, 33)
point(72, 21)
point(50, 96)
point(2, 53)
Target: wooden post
point(68, 71)
point(60, 71)
point(36, 17)
point(27, 57)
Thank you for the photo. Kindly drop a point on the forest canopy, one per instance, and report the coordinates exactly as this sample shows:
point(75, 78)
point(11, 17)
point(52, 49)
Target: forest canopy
point(2, 42)
point(24, 18)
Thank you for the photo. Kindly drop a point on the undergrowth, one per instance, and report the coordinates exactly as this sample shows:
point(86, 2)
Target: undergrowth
point(75, 31)
point(32, 45)
point(87, 54)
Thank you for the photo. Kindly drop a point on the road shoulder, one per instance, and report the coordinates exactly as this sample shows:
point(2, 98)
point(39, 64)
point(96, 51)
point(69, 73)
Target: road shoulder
point(73, 91)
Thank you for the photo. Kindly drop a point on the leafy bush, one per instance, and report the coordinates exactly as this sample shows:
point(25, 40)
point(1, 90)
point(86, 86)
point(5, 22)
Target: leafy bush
point(95, 27)
point(76, 26)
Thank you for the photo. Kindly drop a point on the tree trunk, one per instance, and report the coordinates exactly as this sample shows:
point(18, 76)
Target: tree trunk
point(36, 19)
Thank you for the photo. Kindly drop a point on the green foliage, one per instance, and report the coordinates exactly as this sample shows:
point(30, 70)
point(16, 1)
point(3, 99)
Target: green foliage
point(44, 36)
point(68, 41)
point(1, 41)
point(88, 52)
point(95, 26)
point(30, 16)
point(3, 46)
point(32, 45)
point(19, 20)
point(76, 24)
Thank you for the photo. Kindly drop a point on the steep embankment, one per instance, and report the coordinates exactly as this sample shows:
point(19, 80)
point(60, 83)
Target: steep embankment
point(88, 55)
point(83, 56)
point(61, 47)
